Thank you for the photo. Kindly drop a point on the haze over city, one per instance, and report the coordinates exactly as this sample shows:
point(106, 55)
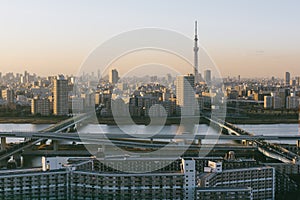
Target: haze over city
point(247, 38)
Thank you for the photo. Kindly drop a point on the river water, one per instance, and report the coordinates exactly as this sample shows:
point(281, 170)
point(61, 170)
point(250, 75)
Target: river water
point(273, 129)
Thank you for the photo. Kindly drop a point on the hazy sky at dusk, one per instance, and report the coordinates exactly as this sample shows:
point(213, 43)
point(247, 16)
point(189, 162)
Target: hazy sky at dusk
point(250, 38)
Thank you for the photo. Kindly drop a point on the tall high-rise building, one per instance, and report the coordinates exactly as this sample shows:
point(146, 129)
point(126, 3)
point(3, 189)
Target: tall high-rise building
point(99, 74)
point(297, 80)
point(287, 78)
point(60, 94)
point(169, 78)
point(113, 76)
point(196, 49)
point(185, 95)
point(207, 76)
point(26, 77)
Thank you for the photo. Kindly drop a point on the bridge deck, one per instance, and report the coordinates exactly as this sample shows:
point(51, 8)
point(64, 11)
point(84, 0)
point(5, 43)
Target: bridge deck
point(56, 128)
point(274, 151)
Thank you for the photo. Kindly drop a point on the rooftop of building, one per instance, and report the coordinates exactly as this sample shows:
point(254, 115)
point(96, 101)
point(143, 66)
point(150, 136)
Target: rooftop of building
point(133, 158)
point(15, 171)
point(208, 174)
point(248, 169)
point(128, 174)
point(223, 189)
point(31, 171)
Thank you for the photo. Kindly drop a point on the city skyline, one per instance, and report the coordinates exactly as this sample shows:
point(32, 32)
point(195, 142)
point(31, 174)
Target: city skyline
point(149, 99)
point(251, 39)
point(139, 74)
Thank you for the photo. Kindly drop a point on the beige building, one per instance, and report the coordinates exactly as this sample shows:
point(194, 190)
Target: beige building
point(8, 95)
point(185, 95)
point(40, 106)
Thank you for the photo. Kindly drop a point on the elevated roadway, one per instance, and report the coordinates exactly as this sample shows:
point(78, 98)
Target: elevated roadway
point(271, 150)
point(5, 153)
point(111, 135)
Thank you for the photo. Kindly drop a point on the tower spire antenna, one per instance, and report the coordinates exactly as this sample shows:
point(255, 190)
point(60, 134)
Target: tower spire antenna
point(196, 49)
point(196, 29)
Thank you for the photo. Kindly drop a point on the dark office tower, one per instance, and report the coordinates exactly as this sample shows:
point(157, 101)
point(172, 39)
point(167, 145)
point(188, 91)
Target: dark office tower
point(196, 49)
point(287, 78)
point(207, 76)
point(60, 94)
point(113, 76)
point(26, 77)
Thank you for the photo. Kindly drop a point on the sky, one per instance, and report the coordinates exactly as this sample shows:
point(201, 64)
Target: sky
point(250, 38)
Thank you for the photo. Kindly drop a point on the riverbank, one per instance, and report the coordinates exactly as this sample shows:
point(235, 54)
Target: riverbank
point(269, 118)
point(242, 120)
point(262, 121)
point(31, 120)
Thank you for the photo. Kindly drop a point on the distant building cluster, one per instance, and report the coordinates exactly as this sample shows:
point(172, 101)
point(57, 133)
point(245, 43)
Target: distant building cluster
point(270, 94)
point(144, 96)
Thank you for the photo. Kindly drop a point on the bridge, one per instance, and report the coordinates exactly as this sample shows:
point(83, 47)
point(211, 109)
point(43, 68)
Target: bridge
point(17, 148)
point(271, 150)
point(154, 142)
point(100, 137)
